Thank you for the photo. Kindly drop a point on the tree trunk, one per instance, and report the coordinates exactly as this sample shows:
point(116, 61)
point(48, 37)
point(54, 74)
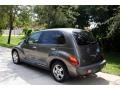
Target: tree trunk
point(10, 25)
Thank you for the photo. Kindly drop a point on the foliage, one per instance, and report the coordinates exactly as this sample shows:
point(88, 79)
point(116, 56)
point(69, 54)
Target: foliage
point(14, 41)
point(27, 32)
point(83, 17)
point(113, 63)
point(56, 16)
point(3, 17)
point(24, 16)
point(14, 16)
point(107, 31)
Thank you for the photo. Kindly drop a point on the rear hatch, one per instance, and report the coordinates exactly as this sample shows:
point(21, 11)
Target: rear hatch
point(88, 48)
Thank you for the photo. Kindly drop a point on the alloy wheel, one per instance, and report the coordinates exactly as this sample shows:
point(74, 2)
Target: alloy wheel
point(15, 57)
point(58, 72)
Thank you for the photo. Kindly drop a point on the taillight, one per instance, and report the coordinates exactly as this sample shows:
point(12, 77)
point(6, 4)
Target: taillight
point(73, 60)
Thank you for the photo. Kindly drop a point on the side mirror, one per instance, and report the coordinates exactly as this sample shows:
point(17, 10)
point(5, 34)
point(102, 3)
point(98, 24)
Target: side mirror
point(35, 41)
point(26, 40)
point(32, 41)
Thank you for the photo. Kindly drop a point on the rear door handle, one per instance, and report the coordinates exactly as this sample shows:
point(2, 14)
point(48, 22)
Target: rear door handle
point(34, 47)
point(53, 49)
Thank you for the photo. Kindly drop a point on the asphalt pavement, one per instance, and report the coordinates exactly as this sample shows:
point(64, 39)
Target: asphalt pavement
point(28, 75)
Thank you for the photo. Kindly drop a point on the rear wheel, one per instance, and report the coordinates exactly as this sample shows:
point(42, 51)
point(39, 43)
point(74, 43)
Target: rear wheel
point(15, 57)
point(59, 71)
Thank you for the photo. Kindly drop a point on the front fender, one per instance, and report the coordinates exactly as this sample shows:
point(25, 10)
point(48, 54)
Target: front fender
point(20, 52)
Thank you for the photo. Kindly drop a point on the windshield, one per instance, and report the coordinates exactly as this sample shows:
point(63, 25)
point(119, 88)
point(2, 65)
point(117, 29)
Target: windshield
point(84, 38)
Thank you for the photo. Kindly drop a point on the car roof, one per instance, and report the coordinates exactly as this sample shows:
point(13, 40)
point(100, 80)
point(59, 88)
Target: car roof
point(68, 30)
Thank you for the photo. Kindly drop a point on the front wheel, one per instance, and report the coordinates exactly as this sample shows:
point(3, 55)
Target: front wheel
point(59, 71)
point(15, 57)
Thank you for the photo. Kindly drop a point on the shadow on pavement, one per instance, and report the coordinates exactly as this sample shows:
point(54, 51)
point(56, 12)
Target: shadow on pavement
point(37, 76)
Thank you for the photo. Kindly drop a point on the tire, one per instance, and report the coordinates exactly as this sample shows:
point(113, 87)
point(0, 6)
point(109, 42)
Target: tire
point(15, 57)
point(59, 71)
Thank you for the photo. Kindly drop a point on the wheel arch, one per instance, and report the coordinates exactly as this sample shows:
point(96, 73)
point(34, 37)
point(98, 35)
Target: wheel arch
point(19, 51)
point(57, 60)
point(70, 68)
point(14, 49)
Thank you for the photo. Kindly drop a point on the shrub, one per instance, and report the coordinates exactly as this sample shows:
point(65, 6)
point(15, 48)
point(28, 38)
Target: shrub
point(27, 32)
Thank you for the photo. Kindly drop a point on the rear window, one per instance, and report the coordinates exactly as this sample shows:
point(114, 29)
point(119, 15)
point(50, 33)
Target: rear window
point(84, 38)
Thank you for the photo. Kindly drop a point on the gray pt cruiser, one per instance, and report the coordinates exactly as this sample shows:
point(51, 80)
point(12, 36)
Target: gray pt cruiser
point(63, 51)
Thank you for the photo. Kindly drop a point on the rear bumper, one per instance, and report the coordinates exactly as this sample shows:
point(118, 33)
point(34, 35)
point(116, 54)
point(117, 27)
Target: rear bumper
point(91, 68)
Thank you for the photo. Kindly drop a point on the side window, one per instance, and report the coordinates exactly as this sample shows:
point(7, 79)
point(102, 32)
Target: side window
point(52, 37)
point(60, 38)
point(34, 38)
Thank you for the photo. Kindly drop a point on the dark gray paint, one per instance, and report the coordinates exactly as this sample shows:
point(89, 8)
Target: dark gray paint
point(41, 55)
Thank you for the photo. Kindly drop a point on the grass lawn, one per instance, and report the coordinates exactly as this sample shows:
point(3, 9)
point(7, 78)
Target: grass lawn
point(113, 58)
point(14, 41)
point(113, 63)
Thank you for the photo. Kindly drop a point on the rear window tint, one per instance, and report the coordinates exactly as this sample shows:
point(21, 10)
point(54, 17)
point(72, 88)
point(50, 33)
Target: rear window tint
point(52, 37)
point(84, 37)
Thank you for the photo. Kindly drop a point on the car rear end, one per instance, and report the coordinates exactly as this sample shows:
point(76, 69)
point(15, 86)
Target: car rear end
point(90, 55)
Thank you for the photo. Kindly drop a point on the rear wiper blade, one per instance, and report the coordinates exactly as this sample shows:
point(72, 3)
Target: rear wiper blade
point(92, 42)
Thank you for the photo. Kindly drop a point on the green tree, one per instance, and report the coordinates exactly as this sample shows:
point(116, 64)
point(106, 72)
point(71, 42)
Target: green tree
point(11, 15)
point(101, 15)
point(82, 20)
point(108, 29)
point(24, 16)
point(14, 15)
point(56, 16)
point(3, 18)
point(8, 11)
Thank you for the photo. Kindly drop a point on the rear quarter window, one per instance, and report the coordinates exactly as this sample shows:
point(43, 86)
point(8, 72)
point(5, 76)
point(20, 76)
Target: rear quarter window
point(52, 37)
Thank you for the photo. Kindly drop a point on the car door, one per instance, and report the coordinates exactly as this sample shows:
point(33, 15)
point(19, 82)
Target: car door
point(48, 42)
point(30, 48)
